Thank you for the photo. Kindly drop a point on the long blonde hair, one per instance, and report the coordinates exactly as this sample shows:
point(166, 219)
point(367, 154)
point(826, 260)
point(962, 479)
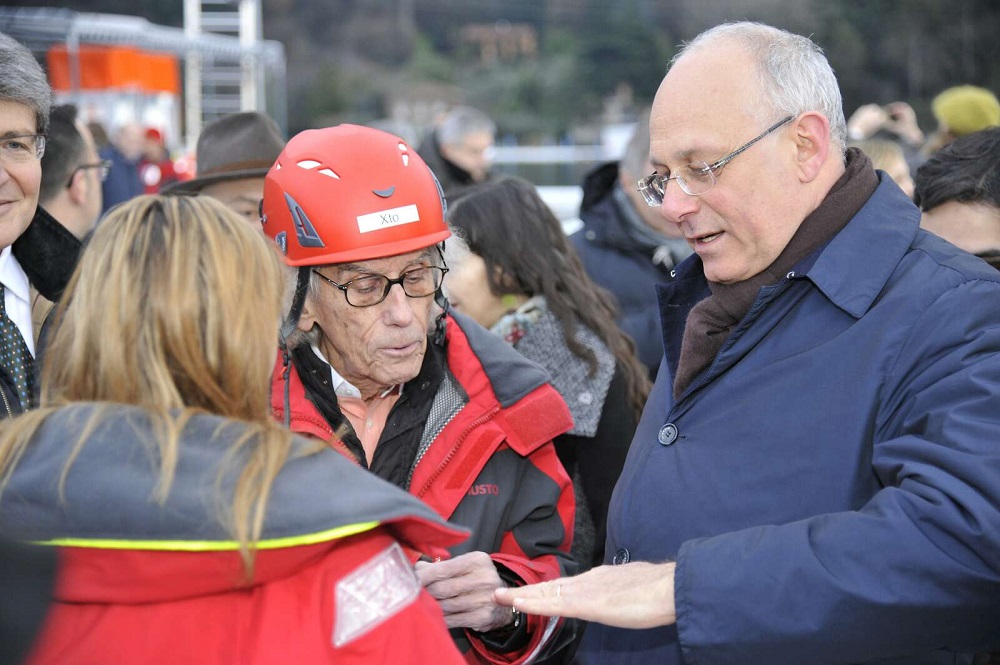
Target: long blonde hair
point(174, 307)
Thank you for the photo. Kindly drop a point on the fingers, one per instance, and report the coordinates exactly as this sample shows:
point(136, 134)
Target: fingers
point(464, 564)
point(483, 619)
point(448, 580)
point(546, 599)
point(465, 586)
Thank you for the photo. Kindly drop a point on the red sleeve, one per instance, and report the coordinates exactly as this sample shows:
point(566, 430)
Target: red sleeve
point(534, 558)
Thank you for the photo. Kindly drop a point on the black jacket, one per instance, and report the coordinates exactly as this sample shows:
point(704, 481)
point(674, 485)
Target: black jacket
point(47, 253)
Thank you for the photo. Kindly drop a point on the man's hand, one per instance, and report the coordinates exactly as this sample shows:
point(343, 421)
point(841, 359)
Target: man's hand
point(633, 595)
point(464, 587)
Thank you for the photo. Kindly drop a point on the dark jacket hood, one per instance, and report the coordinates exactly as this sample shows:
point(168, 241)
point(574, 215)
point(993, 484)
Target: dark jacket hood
point(598, 185)
point(107, 505)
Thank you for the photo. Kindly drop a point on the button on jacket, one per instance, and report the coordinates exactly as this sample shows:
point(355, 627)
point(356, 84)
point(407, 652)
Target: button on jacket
point(833, 492)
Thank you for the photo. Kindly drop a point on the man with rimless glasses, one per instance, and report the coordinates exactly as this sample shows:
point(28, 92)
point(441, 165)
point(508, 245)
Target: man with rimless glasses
point(816, 475)
point(72, 172)
point(374, 363)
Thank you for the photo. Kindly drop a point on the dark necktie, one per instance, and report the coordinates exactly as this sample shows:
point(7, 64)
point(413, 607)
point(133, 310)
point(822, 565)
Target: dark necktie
point(15, 358)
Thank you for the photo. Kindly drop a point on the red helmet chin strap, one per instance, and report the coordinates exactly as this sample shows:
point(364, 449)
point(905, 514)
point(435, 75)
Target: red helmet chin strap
point(288, 327)
point(291, 321)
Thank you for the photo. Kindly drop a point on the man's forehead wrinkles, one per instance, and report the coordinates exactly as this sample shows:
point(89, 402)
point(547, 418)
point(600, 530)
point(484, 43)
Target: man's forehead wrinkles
point(376, 266)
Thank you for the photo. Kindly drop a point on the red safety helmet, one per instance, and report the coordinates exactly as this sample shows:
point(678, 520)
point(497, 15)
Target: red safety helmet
point(351, 193)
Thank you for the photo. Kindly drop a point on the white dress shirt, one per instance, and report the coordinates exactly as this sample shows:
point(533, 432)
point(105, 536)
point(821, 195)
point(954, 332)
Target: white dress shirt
point(17, 296)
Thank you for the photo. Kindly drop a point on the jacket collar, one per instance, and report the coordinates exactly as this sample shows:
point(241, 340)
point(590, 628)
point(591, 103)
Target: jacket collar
point(47, 253)
point(854, 267)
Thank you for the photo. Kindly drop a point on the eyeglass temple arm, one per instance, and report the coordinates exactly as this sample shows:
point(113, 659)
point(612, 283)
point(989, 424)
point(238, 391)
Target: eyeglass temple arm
point(725, 160)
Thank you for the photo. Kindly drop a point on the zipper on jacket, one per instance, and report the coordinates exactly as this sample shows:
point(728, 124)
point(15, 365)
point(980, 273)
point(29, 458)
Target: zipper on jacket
point(331, 440)
point(454, 449)
point(10, 414)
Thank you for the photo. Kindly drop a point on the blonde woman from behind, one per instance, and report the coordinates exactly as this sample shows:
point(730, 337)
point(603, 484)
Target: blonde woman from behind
point(191, 528)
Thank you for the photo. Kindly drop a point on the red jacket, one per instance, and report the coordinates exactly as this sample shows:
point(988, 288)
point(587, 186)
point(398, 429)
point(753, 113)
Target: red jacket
point(144, 583)
point(492, 469)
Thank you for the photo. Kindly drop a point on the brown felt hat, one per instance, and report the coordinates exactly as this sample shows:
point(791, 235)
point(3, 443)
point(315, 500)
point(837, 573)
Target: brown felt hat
point(236, 146)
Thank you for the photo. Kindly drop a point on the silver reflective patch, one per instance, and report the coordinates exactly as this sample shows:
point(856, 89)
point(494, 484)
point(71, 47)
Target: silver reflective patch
point(378, 589)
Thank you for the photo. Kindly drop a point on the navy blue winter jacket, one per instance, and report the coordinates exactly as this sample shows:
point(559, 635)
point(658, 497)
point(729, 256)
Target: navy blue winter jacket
point(830, 486)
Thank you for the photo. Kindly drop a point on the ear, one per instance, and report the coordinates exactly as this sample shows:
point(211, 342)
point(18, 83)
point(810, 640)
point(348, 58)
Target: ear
point(77, 189)
point(307, 319)
point(625, 179)
point(812, 144)
point(446, 151)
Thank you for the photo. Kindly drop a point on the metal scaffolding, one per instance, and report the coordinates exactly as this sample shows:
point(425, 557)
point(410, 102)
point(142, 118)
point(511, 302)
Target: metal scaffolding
point(259, 64)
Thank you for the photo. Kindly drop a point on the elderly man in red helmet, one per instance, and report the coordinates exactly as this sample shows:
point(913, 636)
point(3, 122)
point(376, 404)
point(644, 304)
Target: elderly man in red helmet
point(420, 396)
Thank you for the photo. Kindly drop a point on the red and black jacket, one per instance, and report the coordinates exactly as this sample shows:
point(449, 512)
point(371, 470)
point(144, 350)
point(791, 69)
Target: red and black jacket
point(490, 467)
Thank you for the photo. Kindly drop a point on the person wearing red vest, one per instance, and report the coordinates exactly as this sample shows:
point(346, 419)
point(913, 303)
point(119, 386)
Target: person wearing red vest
point(191, 528)
point(424, 398)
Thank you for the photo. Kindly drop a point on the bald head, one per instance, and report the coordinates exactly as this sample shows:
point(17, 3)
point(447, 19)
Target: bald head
point(749, 115)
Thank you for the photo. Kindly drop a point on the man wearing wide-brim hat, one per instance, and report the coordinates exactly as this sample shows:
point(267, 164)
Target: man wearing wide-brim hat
point(233, 155)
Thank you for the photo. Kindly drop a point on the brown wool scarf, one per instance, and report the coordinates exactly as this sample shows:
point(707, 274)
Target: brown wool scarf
point(710, 321)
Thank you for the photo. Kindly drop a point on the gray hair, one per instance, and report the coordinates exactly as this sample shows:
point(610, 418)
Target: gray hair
point(793, 74)
point(454, 250)
point(462, 121)
point(22, 80)
point(635, 159)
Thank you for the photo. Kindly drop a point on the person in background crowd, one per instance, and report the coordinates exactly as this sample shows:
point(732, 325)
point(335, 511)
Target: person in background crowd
point(192, 528)
point(72, 173)
point(38, 253)
point(156, 168)
point(429, 400)
point(895, 122)
point(70, 191)
point(814, 478)
point(888, 156)
point(958, 191)
point(524, 282)
point(959, 111)
point(124, 152)
point(460, 149)
point(233, 155)
point(625, 245)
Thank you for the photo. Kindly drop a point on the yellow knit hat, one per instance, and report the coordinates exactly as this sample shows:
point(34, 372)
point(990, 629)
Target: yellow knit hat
point(965, 109)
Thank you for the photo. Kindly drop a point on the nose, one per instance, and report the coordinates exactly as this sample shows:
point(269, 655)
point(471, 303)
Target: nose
point(677, 203)
point(397, 306)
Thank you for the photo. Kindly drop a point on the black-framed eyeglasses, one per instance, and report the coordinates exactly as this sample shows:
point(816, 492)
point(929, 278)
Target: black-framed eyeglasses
point(104, 165)
point(370, 290)
point(21, 148)
point(698, 178)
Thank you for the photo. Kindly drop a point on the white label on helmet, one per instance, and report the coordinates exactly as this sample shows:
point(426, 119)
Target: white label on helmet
point(386, 218)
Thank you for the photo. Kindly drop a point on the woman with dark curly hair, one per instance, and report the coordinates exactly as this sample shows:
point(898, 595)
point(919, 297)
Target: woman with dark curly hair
point(524, 281)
